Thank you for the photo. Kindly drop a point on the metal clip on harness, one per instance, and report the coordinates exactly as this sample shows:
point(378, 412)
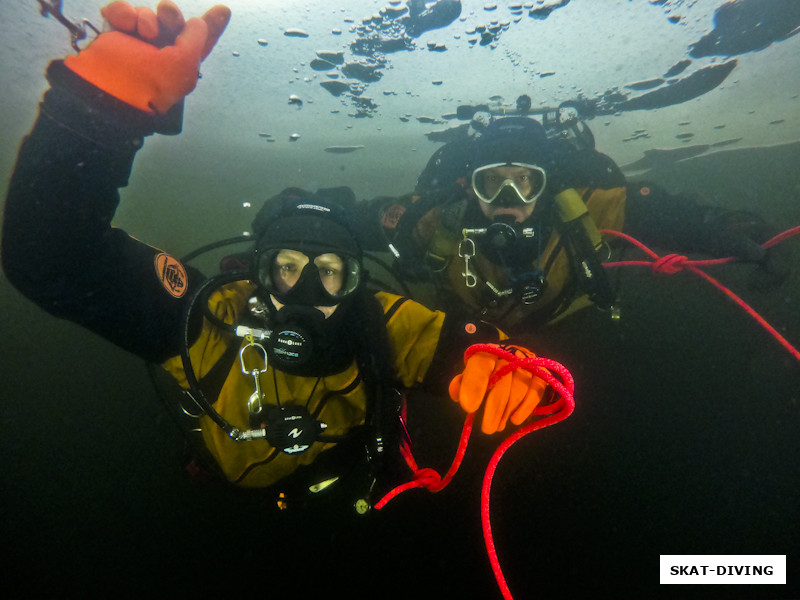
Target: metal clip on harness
point(255, 402)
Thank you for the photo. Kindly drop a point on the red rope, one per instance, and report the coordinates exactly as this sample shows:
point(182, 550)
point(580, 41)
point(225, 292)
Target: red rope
point(674, 263)
point(426, 477)
point(544, 368)
point(557, 411)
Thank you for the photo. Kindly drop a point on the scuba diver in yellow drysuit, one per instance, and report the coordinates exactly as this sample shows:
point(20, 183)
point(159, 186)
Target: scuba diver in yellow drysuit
point(287, 358)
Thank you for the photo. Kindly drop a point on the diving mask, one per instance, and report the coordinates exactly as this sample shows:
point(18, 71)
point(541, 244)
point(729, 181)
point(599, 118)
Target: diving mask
point(525, 180)
point(309, 279)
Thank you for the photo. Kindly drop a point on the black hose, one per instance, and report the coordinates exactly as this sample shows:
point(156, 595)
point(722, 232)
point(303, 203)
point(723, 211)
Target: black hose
point(191, 378)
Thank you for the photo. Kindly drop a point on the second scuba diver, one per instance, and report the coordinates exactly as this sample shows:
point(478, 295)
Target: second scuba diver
point(506, 224)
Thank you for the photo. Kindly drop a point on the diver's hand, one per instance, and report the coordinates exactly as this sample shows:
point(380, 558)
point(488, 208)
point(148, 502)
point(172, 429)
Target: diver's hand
point(150, 60)
point(513, 397)
point(773, 268)
point(773, 264)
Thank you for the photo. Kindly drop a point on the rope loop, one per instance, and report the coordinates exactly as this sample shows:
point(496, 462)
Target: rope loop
point(673, 263)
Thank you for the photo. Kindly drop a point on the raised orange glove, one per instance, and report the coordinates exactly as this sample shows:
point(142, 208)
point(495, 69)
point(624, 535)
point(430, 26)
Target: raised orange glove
point(514, 396)
point(129, 64)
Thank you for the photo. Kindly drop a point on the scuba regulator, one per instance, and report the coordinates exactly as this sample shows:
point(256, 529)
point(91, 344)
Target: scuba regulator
point(288, 428)
point(504, 243)
point(510, 245)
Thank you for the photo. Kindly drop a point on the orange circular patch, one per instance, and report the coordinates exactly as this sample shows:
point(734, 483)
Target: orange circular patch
point(470, 328)
point(171, 274)
point(644, 191)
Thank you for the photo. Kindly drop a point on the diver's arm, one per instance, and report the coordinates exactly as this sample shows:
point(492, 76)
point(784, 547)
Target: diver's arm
point(59, 248)
point(680, 223)
point(427, 345)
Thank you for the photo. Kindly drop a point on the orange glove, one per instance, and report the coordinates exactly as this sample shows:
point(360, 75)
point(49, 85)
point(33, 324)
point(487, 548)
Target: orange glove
point(129, 64)
point(514, 396)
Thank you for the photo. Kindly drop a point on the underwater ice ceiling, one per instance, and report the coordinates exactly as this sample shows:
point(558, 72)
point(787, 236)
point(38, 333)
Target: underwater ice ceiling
point(436, 64)
point(654, 79)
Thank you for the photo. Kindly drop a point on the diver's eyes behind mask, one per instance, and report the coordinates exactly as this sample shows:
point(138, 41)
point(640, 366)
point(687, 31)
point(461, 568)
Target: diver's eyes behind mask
point(294, 277)
point(527, 181)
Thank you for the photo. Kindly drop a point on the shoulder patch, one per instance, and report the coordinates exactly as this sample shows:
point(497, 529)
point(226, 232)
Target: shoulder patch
point(171, 274)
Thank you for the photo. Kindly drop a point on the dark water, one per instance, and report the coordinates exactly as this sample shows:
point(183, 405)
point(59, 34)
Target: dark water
point(684, 441)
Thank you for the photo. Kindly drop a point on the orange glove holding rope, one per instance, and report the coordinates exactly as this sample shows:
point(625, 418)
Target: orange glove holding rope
point(152, 59)
point(511, 396)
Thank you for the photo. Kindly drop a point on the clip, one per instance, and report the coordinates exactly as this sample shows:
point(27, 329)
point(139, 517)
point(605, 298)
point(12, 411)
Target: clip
point(466, 250)
point(77, 31)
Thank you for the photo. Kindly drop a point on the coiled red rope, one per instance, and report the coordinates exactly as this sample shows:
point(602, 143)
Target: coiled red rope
point(560, 380)
point(674, 263)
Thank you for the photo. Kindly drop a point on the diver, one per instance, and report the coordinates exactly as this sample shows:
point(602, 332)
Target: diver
point(506, 224)
point(286, 355)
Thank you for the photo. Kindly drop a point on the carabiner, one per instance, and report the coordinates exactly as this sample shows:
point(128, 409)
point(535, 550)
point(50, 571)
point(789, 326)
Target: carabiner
point(254, 403)
point(466, 250)
point(77, 31)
